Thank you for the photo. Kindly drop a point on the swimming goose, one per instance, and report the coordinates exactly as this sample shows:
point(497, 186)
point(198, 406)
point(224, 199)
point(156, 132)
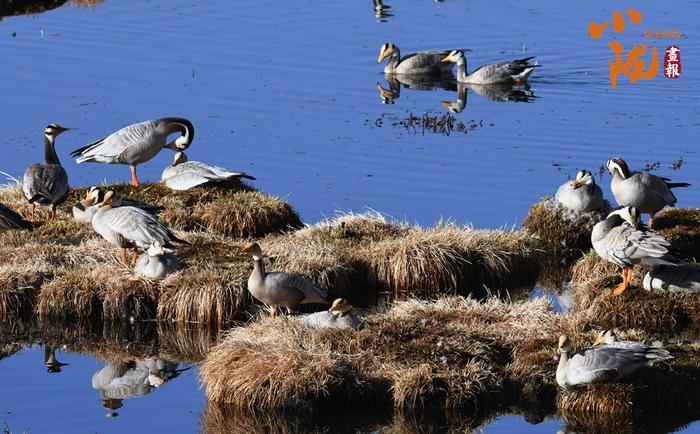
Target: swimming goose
point(157, 262)
point(683, 278)
point(137, 143)
point(340, 316)
point(280, 289)
point(129, 227)
point(11, 220)
point(422, 63)
point(609, 338)
point(580, 195)
point(644, 191)
point(184, 174)
point(516, 71)
point(623, 240)
point(602, 364)
point(47, 184)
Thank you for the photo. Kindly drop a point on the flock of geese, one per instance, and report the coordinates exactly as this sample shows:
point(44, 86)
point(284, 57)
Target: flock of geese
point(621, 238)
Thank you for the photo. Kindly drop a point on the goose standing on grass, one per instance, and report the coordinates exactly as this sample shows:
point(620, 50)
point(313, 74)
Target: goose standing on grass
point(340, 316)
point(609, 338)
point(644, 191)
point(580, 195)
point(683, 278)
point(184, 174)
point(129, 227)
point(47, 184)
point(516, 71)
point(280, 289)
point(623, 240)
point(11, 220)
point(602, 364)
point(157, 262)
point(421, 63)
point(137, 143)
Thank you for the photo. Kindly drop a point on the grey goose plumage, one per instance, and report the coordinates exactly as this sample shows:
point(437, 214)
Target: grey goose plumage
point(278, 289)
point(515, 71)
point(580, 195)
point(340, 316)
point(138, 143)
point(642, 190)
point(157, 262)
point(602, 364)
point(46, 184)
point(609, 338)
point(682, 278)
point(420, 63)
point(184, 174)
point(9, 219)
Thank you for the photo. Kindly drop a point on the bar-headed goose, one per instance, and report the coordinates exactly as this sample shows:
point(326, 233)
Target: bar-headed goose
point(184, 174)
point(516, 71)
point(421, 63)
point(623, 240)
point(280, 289)
point(602, 364)
point(129, 227)
point(580, 195)
point(644, 191)
point(137, 143)
point(340, 316)
point(609, 338)
point(12, 220)
point(47, 184)
point(683, 278)
point(86, 208)
point(157, 262)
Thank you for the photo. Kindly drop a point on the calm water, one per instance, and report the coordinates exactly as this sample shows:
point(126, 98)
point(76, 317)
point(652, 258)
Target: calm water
point(288, 92)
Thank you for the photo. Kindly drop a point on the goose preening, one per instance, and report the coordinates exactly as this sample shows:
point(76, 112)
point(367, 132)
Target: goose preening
point(129, 227)
point(9, 219)
point(137, 143)
point(421, 63)
point(582, 194)
point(682, 278)
point(340, 316)
point(609, 338)
point(47, 184)
point(603, 363)
point(623, 240)
point(280, 289)
point(516, 71)
point(184, 174)
point(157, 262)
point(644, 191)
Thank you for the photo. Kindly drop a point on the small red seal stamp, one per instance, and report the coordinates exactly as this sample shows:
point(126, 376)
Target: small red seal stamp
point(672, 62)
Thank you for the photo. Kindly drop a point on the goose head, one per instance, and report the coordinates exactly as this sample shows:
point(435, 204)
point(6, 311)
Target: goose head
point(112, 199)
point(180, 157)
point(619, 166)
point(386, 50)
point(157, 249)
point(629, 214)
point(254, 250)
point(340, 305)
point(94, 195)
point(583, 177)
point(184, 127)
point(605, 337)
point(454, 56)
point(54, 130)
point(564, 344)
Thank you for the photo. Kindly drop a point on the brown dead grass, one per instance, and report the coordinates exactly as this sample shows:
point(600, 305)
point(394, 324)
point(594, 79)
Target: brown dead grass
point(681, 227)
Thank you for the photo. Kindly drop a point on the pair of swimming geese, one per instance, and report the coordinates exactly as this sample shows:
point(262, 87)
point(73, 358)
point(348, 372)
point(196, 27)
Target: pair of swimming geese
point(440, 63)
point(621, 238)
point(46, 183)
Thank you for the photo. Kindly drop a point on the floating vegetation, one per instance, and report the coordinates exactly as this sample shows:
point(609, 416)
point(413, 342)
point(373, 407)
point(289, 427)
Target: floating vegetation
point(677, 164)
point(444, 124)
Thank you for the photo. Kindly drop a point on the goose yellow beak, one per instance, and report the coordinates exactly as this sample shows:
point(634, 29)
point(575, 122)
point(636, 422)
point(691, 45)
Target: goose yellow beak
point(576, 183)
point(447, 104)
point(600, 340)
point(446, 59)
point(382, 55)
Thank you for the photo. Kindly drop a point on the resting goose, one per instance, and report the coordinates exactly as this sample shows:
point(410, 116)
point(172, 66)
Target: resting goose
point(580, 195)
point(602, 364)
point(644, 191)
point(137, 143)
point(86, 208)
point(340, 316)
point(280, 289)
point(421, 63)
point(157, 262)
point(12, 220)
point(129, 227)
point(184, 174)
point(516, 71)
point(622, 240)
point(47, 184)
point(609, 338)
point(683, 278)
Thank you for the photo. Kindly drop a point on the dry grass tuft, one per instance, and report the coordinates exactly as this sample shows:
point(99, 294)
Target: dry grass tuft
point(681, 227)
point(19, 287)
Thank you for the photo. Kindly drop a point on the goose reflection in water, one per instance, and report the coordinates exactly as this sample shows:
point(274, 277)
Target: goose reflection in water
point(415, 82)
point(381, 11)
point(492, 92)
point(53, 365)
point(132, 379)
